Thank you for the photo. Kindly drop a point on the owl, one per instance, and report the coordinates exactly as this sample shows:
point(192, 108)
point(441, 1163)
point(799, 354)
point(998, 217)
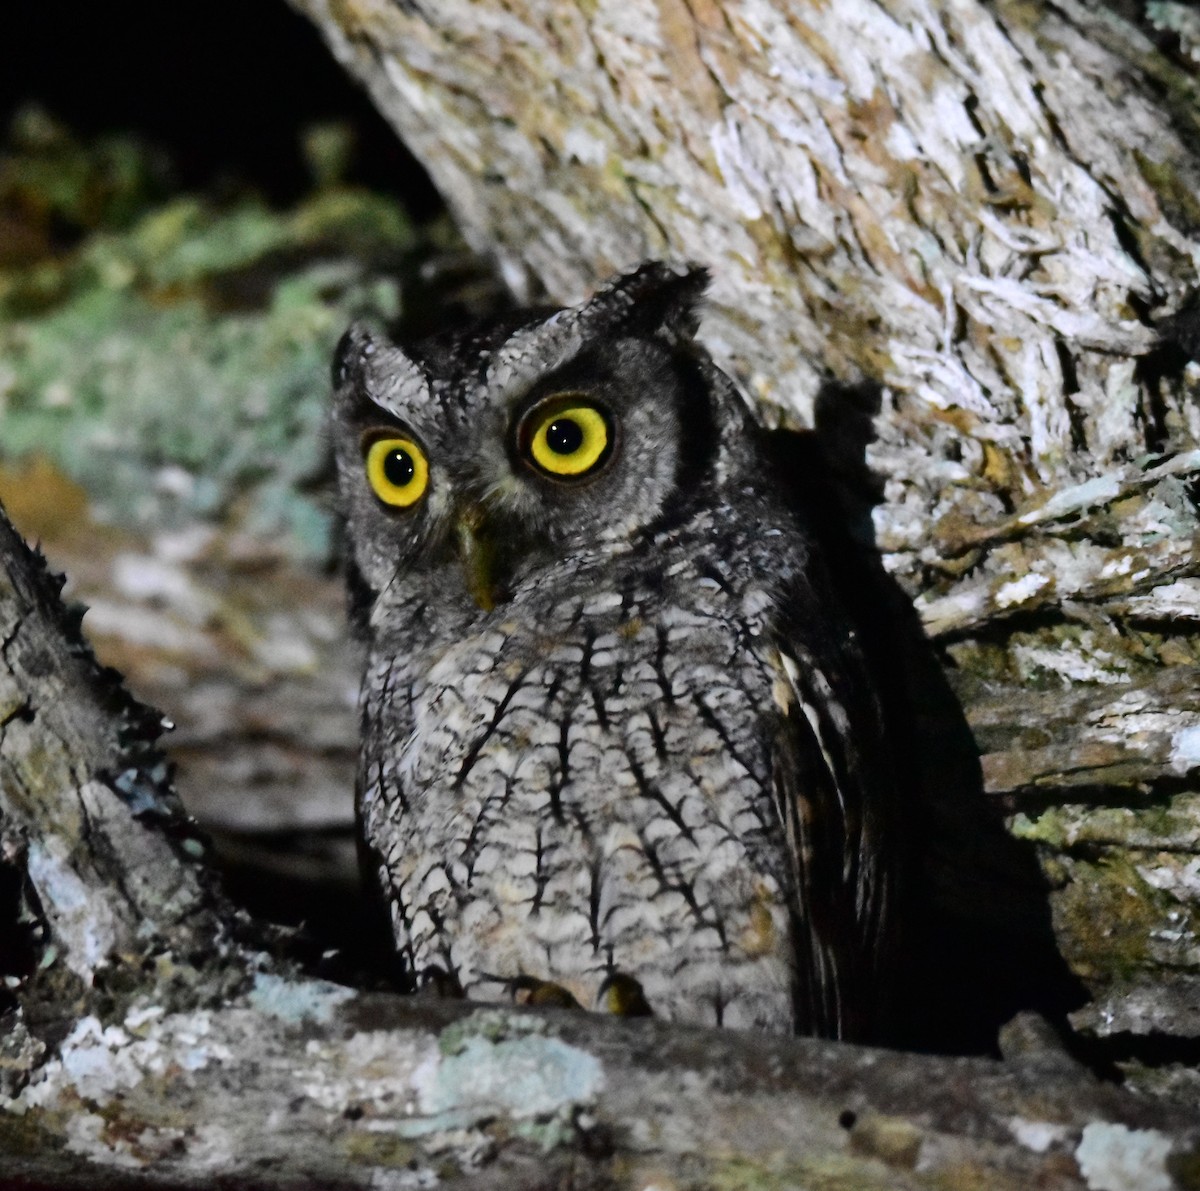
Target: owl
point(617, 740)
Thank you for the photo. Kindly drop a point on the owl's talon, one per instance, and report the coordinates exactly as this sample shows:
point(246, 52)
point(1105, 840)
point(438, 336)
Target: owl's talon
point(529, 990)
point(622, 996)
point(437, 982)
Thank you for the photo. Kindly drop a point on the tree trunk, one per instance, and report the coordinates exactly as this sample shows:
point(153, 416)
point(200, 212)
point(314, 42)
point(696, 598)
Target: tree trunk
point(973, 226)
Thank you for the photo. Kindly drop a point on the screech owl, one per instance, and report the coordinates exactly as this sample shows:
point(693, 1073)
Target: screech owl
point(615, 732)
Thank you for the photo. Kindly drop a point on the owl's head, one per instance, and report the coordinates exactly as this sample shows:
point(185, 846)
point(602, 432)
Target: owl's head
point(487, 454)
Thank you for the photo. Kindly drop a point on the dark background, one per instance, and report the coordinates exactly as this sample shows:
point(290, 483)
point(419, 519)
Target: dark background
point(223, 86)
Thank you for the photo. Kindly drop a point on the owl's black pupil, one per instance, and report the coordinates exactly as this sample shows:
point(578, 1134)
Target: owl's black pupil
point(398, 467)
point(564, 436)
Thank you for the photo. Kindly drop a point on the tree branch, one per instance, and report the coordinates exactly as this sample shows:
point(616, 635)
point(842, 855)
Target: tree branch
point(88, 811)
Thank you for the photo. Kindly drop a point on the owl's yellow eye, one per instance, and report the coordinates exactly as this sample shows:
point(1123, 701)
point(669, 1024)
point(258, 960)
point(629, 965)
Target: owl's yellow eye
point(397, 471)
point(568, 438)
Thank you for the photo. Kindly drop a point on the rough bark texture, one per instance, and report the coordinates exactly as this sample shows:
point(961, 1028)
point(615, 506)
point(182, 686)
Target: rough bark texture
point(147, 1043)
point(91, 835)
point(976, 224)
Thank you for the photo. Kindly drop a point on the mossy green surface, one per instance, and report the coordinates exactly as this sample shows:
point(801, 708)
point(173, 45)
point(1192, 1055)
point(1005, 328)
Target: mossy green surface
point(1114, 926)
point(1172, 824)
point(174, 361)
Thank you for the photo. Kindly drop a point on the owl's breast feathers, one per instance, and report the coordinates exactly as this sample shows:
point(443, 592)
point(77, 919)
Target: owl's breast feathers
point(661, 777)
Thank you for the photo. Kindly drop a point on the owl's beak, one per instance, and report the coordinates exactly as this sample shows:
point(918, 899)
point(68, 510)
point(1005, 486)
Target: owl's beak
point(478, 556)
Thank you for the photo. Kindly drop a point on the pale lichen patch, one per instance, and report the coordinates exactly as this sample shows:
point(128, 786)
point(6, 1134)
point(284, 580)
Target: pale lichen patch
point(295, 1001)
point(1070, 664)
point(1114, 1157)
point(85, 928)
point(1038, 1136)
point(368, 1070)
point(1020, 590)
point(530, 1076)
point(1185, 749)
point(1174, 875)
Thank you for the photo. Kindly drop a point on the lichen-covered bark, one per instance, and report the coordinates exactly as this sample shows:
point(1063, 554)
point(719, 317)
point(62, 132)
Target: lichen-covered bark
point(310, 1085)
point(987, 213)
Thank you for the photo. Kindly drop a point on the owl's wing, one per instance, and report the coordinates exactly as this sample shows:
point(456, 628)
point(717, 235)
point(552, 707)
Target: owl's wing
point(833, 780)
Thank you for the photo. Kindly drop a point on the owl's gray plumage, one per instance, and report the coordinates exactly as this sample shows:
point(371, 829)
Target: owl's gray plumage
point(657, 753)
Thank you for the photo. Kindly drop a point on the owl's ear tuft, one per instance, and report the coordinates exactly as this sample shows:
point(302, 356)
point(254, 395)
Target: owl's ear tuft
point(351, 351)
point(657, 298)
point(372, 375)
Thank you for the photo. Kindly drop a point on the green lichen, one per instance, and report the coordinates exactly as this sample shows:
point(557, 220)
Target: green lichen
point(27, 1134)
point(175, 363)
point(1107, 918)
point(385, 1150)
point(1184, 1168)
point(51, 177)
point(822, 1172)
point(490, 1025)
point(1174, 824)
point(1173, 190)
point(551, 1132)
